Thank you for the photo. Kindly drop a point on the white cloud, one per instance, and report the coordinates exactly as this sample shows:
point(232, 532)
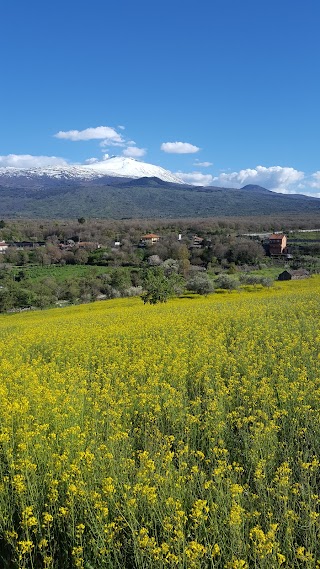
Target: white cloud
point(315, 180)
point(273, 178)
point(134, 152)
point(91, 160)
point(202, 164)
point(105, 133)
point(30, 161)
point(108, 142)
point(121, 127)
point(179, 148)
point(195, 178)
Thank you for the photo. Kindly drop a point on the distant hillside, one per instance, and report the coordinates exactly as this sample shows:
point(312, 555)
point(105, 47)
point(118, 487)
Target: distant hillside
point(142, 198)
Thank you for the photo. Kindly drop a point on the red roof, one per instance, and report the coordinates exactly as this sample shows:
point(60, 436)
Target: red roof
point(150, 236)
point(277, 236)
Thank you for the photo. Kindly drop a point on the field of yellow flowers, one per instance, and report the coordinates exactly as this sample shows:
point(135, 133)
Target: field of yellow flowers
point(183, 435)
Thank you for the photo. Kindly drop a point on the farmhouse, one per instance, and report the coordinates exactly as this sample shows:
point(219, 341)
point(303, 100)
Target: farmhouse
point(3, 246)
point(277, 243)
point(149, 239)
point(290, 274)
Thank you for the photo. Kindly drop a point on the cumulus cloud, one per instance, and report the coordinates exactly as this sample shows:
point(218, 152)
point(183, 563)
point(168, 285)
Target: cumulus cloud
point(202, 164)
point(314, 182)
point(30, 161)
point(195, 178)
point(179, 148)
point(105, 133)
point(276, 178)
point(134, 152)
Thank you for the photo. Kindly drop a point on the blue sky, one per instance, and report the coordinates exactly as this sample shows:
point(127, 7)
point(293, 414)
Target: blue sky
point(237, 84)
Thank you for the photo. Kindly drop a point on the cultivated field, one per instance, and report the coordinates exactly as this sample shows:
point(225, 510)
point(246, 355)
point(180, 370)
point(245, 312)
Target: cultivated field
point(183, 435)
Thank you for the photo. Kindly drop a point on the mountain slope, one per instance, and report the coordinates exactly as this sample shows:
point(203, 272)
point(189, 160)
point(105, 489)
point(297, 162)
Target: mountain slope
point(148, 197)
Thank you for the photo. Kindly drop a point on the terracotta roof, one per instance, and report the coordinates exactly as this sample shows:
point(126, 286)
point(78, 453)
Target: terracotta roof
point(150, 236)
point(277, 236)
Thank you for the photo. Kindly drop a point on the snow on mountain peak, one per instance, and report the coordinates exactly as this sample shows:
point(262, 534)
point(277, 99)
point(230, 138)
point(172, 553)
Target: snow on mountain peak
point(131, 168)
point(116, 166)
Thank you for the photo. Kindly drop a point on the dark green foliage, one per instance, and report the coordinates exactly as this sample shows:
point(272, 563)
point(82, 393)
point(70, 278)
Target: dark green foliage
point(157, 287)
point(120, 279)
point(245, 252)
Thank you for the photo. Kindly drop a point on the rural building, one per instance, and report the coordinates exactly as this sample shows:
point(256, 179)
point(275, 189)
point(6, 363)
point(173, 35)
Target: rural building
point(90, 245)
point(3, 246)
point(149, 239)
point(290, 274)
point(197, 242)
point(277, 244)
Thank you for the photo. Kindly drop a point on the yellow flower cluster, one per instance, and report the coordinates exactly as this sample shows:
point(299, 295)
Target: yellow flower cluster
point(184, 435)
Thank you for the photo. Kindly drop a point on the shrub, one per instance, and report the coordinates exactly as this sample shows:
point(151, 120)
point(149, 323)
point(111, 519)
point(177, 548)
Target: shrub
point(201, 284)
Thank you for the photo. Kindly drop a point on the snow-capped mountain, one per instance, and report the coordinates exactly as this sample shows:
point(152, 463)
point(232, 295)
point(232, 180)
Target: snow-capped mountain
point(117, 166)
point(131, 168)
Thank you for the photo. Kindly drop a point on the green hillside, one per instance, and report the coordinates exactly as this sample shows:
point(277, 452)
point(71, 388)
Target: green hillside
point(147, 198)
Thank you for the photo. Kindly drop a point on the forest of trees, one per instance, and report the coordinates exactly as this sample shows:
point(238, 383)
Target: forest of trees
point(225, 258)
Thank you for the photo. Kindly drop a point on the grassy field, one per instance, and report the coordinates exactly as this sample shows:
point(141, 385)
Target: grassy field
point(312, 235)
point(183, 435)
point(271, 272)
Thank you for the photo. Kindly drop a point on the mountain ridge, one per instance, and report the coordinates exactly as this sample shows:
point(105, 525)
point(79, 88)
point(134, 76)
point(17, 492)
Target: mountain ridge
point(117, 198)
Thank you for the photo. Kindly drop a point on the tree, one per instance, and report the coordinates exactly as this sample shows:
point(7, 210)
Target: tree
point(201, 284)
point(154, 261)
point(170, 267)
point(120, 279)
point(81, 257)
point(246, 252)
point(157, 287)
point(6, 299)
point(227, 282)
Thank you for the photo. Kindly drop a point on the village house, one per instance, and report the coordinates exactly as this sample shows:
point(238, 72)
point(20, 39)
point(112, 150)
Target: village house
point(197, 242)
point(277, 244)
point(290, 274)
point(3, 246)
point(149, 239)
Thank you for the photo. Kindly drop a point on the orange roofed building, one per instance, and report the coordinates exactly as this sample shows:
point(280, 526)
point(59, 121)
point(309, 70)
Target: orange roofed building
point(277, 243)
point(149, 239)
